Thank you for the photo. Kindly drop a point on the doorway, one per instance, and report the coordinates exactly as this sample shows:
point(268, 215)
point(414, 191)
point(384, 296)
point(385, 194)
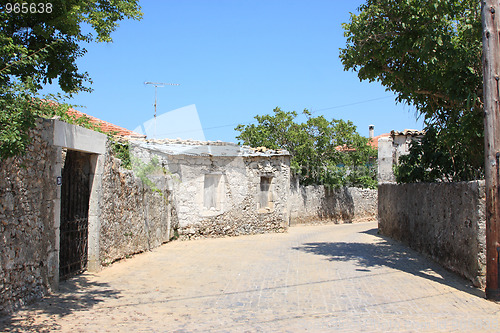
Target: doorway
point(74, 221)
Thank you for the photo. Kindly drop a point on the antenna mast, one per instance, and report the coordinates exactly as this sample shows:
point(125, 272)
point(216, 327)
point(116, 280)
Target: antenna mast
point(159, 84)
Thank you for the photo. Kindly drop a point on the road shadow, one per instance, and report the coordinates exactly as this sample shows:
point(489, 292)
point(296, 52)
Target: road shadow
point(387, 252)
point(75, 294)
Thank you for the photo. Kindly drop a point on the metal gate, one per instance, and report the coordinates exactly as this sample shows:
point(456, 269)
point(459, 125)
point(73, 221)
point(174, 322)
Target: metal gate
point(75, 194)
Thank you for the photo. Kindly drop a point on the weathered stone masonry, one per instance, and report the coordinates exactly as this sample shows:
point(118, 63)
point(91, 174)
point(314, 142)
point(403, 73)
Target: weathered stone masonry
point(134, 217)
point(221, 189)
point(119, 223)
point(320, 204)
point(27, 231)
point(445, 221)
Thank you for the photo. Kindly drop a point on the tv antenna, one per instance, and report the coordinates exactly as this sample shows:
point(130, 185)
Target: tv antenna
point(159, 84)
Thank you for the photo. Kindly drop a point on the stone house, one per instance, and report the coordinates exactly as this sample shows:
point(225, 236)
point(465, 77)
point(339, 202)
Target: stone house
point(220, 188)
point(390, 148)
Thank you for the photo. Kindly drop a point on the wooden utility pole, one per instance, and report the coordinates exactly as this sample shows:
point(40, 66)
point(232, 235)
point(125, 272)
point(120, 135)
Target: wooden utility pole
point(490, 12)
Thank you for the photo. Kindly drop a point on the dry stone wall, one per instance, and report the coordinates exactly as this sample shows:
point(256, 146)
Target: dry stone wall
point(319, 204)
point(445, 221)
point(131, 216)
point(27, 235)
point(134, 217)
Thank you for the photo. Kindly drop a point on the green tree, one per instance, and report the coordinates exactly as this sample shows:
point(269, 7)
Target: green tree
point(323, 152)
point(429, 54)
point(52, 38)
point(39, 47)
point(432, 160)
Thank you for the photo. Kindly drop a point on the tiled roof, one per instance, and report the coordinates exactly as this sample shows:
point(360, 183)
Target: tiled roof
point(105, 126)
point(406, 132)
point(374, 140)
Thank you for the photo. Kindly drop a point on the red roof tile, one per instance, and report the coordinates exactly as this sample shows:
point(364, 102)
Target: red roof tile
point(105, 126)
point(374, 140)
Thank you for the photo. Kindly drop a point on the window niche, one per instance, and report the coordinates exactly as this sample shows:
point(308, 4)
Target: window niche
point(212, 196)
point(265, 198)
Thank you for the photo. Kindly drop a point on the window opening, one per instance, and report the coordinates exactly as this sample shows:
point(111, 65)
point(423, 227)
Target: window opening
point(211, 191)
point(265, 186)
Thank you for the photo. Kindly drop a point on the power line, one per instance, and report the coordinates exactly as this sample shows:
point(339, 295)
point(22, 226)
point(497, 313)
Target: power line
point(350, 104)
point(254, 121)
point(209, 128)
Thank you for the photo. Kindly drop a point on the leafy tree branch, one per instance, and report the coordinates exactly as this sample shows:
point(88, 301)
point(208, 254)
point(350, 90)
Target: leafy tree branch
point(429, 54)
point(36, 49)
point(323, 151)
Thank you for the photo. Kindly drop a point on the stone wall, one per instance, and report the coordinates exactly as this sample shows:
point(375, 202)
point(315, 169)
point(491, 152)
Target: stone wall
point(320, 204)
point(445, 221)
point(127, 216)
point(27, 236)
point(134, 217)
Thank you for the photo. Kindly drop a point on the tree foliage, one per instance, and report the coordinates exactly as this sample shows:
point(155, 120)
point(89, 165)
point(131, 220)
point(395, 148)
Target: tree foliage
point(42, 47)
point(433, 160)
point(16, 118)
point(429, 54)
point(38, 48)
point(323, 151)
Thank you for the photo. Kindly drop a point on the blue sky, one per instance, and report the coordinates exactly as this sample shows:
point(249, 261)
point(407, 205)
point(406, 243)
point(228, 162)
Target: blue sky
point(234, 59)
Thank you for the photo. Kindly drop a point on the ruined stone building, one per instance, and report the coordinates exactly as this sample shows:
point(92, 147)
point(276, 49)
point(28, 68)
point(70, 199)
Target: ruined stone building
point(220, 188)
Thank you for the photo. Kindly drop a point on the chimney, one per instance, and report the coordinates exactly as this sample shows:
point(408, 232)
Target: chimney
point(370, 131)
